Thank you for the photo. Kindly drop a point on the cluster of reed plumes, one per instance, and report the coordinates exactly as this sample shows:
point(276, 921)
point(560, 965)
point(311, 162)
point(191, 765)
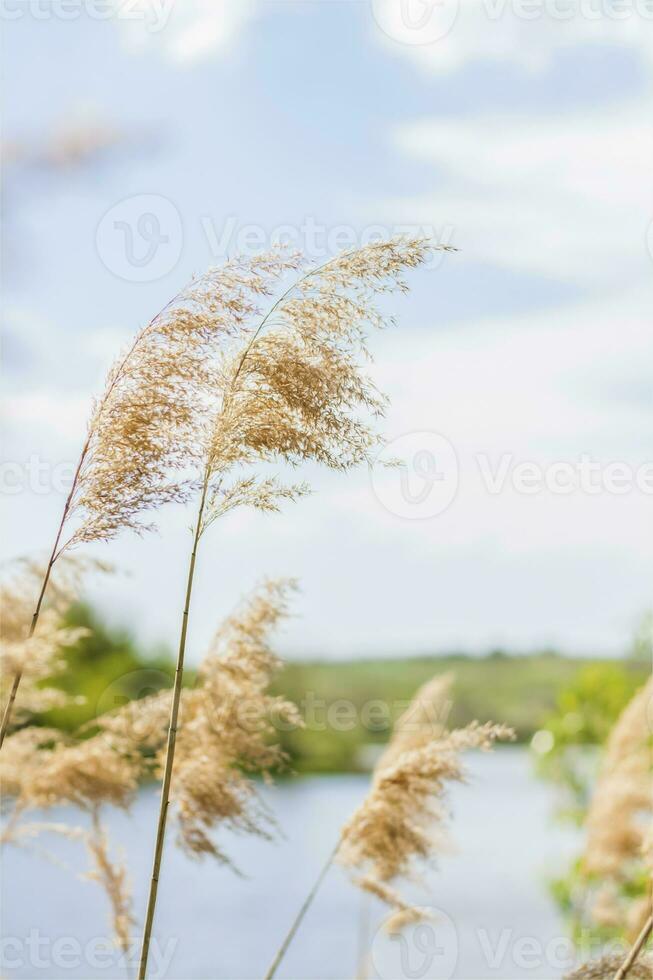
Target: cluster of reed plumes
point(213, 387)
point(226, 737)
point(213, 384)
point(259, 363)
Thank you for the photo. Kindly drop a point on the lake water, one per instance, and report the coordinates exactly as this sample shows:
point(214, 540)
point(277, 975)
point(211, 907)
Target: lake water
point(494, 916)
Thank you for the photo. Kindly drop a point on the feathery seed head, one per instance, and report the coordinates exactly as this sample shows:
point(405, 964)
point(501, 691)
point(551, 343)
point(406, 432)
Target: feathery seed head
point(403, 819)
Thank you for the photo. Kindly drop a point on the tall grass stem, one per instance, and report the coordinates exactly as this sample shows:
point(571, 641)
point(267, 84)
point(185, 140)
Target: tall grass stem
point(170, 748)
point(308, 901)
point(638, 946)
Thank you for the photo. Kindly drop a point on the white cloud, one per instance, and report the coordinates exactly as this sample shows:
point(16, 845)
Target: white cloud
point(446, 36)
point(567, 196)
point(184, 31)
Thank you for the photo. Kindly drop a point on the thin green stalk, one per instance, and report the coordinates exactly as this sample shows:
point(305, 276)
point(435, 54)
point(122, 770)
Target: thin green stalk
point(170, 749)
point(308, 901)
point(6, 716)
point(638, 946)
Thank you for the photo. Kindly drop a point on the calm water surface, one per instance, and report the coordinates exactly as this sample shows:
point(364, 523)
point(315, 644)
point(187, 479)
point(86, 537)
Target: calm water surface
point(494, 915)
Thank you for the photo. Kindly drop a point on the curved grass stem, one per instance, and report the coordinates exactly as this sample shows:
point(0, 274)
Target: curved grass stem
point(636, 949)
point(308, 901)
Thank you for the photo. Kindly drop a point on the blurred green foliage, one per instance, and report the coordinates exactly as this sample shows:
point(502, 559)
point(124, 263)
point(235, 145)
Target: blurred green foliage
point(350, 706)
point(104, 670)
point(528, 692)
point(586, 710)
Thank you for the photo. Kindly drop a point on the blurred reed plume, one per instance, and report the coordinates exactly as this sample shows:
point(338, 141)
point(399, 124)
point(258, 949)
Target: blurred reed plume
point(37, 657)
point(284, 387)
point(41, 769)
point(112, 876)
point(424, 719)
point(403, 819)
point(607, 967)
point(227, 737)
point(228, 724)
point(106, 870)
point(228, 727)
point(618, 848)
point(618, 852)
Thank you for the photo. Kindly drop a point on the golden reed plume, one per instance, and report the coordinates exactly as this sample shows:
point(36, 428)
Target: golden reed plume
point(403, 819)
point(619, 818)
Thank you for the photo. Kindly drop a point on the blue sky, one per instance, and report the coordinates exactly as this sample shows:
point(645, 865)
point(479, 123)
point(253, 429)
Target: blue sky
point(524, 142)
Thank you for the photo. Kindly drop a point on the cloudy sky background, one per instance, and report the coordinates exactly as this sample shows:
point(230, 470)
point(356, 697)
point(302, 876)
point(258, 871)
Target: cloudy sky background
point(524, 142)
